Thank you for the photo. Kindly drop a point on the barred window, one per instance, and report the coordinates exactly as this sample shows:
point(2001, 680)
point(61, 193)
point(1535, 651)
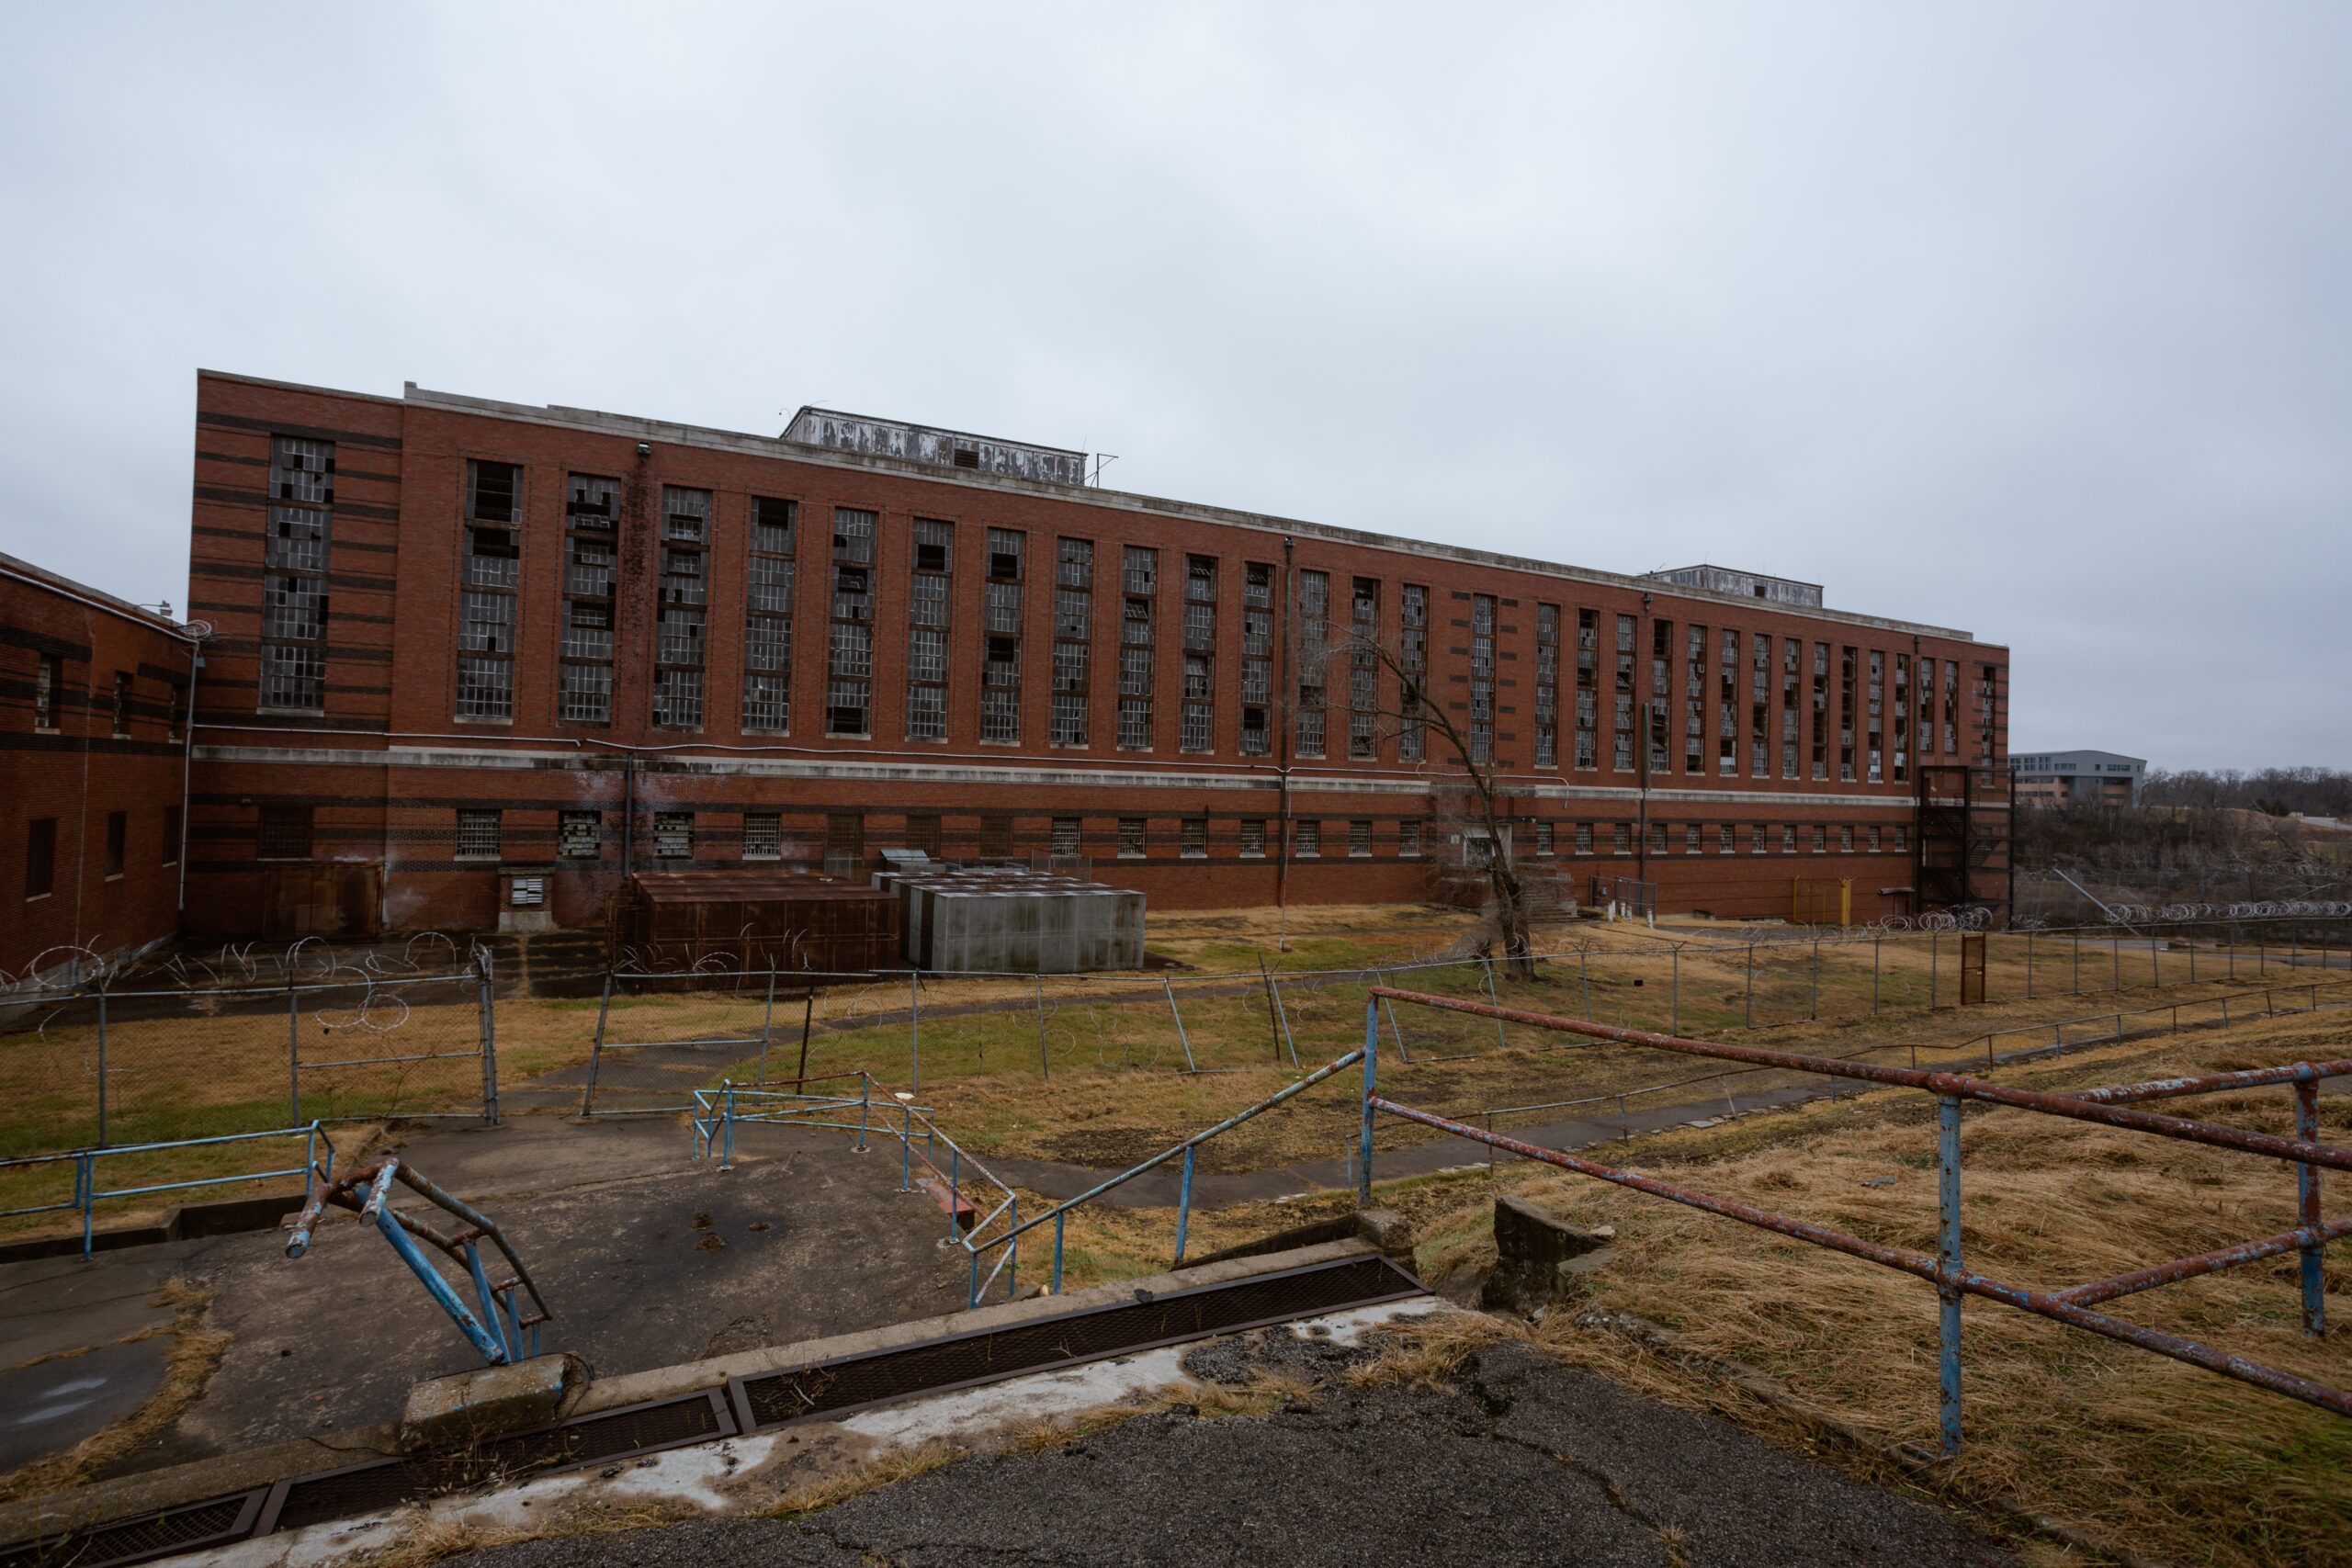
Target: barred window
point(45, 681)
point(1621, 839)
point(1306, 836)
point(1000, 716)
point(768, 609)
point(1192, 837)
point(1543, 838)
point(673, 835)
point(767, 704)
point(677, 699)
point(686, 514)
point(1844, 841)
point(1690, 839)
point(1412, 657)
point(763, 835)
point(1359, 837)
point(485, 688)
point(1131, 837)
point(1725, 842)
point(1787, 841)
point(1069, 721)
point(478, 833)
point(283, 832)
point(1547, 682)
point(580, 835)
point(585, 678)
point(1140, 570)
point(1253, 838)
point(295, 556)
point(1584, 838)
point(1756, 840)
point(1408, 838)
point(1065, 837)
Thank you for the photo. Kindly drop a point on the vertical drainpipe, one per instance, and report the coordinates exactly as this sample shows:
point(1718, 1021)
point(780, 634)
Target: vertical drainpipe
point(628, 817)
point(188, 750)
point(1282, 714)
point(82, 805)
point(1649, 717)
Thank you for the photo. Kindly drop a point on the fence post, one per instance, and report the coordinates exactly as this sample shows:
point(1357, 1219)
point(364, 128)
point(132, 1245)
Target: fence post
point(2076, 988)
point(488, 992)
point(1403, 1053)
point(102, 1069)
point(1584, 975)
point(1167, 985)
point(1184, 1204)
point(1876, 939)
point(1371, 1082)
point(1674, 1003)
point(1948, 1286)
point(767, 1028)
point(1747, 1003)
point(2192, 960)
point(2029, 964)
point(1274, 989)
point(2307, 1209)
point(2115, 958)
point(1044, 1060)
point(1934, 958)
point(293, 1056)
point(914, 1032)
point(1274, 1027)
point(1060, 1217)
point(1813, 1007)
point(907, 1145)
point(597, 1050)
point(1492, 1000)
point(2155, 965)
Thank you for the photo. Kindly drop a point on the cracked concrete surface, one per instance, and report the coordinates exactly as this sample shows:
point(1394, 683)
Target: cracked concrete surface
point(1521, 1461)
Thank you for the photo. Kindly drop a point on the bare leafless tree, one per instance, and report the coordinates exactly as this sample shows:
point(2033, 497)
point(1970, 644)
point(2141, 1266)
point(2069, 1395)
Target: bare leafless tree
point(1472, 776)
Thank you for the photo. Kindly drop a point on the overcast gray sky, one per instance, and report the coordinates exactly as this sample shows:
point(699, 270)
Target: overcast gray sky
point(2028, 319)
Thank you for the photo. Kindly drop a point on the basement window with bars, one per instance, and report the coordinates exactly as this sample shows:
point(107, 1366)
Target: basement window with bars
point(1408, 838)
point(1359, 837)
point(763, 835)
point(478, 833)
point(1543, 838)
point(283, 832)
point(1192, 837)
point(1584, 838)
point(1306, 836)
point(1821, 841)
point(1692, 835)
point(1253, 838)
point(1065, 837)
point(45, 683)
point(1787, 841)
point(1621, 839)
point(922, 833)
point(1726, 839)
point(294, 576)
point(1131, 837)
point(1844, 841)
point(580, 835)
point(1756, 840)
point(673, 835)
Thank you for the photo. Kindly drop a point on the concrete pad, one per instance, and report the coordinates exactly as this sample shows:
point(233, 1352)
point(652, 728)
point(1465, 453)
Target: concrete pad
point(48, 1408)
point(55, 1305)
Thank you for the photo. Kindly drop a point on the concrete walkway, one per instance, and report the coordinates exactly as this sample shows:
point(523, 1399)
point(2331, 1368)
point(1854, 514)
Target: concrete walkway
point(647, 1256)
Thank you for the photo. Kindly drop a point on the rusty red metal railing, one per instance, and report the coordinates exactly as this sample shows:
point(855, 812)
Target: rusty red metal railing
point(1945, 1268)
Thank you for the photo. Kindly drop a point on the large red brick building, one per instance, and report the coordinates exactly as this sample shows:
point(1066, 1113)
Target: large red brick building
point(477, 660)
point(94, 744)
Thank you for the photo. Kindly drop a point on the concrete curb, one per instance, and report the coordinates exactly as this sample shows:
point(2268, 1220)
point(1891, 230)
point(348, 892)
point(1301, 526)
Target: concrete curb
point(175, 1485)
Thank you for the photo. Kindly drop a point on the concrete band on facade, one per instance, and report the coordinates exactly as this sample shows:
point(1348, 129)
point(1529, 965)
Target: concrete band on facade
point(376, 774)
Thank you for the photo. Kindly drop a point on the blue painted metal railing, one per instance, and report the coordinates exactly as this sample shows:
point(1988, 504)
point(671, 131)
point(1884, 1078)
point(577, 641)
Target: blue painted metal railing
point(1945, 1268)
point(494, 1324)
point(88, 1194)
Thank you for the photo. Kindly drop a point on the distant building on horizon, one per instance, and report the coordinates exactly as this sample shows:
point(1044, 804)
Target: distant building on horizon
point(2078, 778)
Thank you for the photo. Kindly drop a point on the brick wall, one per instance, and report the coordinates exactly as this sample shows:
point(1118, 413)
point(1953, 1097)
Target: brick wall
point(75, 771)
point(389, 764)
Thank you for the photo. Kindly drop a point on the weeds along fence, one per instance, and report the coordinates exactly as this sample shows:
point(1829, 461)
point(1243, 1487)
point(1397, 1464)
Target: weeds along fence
point(659, 1037)
point(172, 1083)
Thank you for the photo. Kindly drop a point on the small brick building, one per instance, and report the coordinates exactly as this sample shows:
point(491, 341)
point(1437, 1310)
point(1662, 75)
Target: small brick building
point(93, 761)
point(476, 661)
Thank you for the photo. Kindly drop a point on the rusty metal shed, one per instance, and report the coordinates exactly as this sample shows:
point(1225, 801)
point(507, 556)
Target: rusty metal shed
point(754, 920)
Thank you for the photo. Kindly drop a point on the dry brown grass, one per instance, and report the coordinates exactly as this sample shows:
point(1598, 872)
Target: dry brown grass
point(890, 1466)
point(2119, 1443)
point(194, 1354)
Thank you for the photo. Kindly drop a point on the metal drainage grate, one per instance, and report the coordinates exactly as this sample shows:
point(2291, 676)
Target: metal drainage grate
point(987, 1355)
point(144, 1539)
point(385, 1483)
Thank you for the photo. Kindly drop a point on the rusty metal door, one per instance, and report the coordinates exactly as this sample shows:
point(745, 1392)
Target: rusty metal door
point(1971, 968)
point(337, 900)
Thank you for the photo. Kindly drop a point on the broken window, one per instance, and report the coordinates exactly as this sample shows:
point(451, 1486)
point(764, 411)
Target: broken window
point(849, 670)
point(1820, 710)
point(929, 600)
point(767, 616)
point(1363, 673)
point(1727, 706)
point(1694, 703)
point(1413, 660)
point(1073, 631)
point(117, 841)
point(585, 676)
point(673, 835)
point(1482, 678)
point(1001, 670)
point(293, 649)
point(486, 605)
point(478, 832)
point(1756, 840)
point(1314, 609)
point(1196, 720)
point(1547, 685)
point(45, 683)
point(1759, 708)
point(580, 835)
point(1138, 582)
point(680, 650)
point(41, 857)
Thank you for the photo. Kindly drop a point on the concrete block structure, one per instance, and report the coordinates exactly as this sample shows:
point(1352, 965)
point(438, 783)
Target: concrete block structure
point(94, 755)
point(1006, 921)
point(470, 652)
